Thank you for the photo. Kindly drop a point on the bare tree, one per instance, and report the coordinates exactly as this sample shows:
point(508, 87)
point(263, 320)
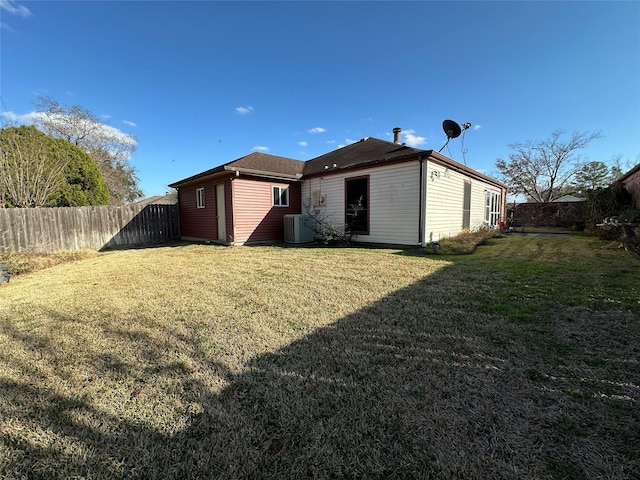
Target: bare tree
point(109, 147)
point(30, 170)
point(619, 166)
point(541, 169)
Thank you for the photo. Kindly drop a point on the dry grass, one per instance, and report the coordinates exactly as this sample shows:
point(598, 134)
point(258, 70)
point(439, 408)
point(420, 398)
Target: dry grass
point(27, 262)
point(520, 361)
point(464, 243)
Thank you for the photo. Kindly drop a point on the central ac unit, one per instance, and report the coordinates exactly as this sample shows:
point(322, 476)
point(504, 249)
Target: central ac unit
point(297, 228)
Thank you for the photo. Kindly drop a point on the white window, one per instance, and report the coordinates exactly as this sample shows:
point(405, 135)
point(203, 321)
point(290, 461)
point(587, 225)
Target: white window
point(281, 196)
point(200, 197)
point(492, 208)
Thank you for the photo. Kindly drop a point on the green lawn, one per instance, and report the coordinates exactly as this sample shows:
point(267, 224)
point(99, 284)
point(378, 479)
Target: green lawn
point(193, 361)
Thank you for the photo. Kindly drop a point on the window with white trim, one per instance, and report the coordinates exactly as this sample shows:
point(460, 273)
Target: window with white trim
point(280, 196)
point(492, 208)
point(200, 197)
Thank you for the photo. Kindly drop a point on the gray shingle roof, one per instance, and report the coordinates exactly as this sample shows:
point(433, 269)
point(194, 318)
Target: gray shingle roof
point(256, 163)
point(367, 151)
point(268, 163)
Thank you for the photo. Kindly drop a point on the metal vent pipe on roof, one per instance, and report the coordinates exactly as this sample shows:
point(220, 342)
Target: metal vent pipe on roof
point(396, 134)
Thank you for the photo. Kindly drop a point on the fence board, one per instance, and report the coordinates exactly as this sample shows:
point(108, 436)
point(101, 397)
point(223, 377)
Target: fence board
point(76, 228)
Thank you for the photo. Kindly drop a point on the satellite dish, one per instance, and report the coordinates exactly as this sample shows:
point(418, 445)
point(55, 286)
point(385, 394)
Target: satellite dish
point(451, 129)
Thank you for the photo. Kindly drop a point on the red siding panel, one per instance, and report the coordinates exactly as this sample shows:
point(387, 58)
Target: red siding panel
point(254, 216)
point(198, 223)
point(228, 209)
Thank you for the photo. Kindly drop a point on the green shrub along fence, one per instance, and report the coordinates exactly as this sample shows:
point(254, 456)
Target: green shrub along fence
point(50, 230)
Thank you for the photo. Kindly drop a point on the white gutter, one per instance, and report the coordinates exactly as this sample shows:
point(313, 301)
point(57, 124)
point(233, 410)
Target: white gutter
point(262, 173)
point(422, 228)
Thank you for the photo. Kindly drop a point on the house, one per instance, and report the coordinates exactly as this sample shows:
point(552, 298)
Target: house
point(631, 181)
point(568, 199)
point(243, 201)
point(170, 198)
point(386, 192)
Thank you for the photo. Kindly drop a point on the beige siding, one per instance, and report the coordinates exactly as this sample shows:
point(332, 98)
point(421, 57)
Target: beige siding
point(445, 194)
point(394, 203)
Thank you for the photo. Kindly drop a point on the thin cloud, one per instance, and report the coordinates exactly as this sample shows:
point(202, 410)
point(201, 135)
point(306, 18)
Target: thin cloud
point(260, 148)
point(33, 118)
point(317, 130)
point(477, 127)
point(303, 143)
point(118, 135)
point(244, 110)
point(330, 141)
point(15, 9)
point(412, 139)
point(348, 141)
point(130, 123)
point(19, 119)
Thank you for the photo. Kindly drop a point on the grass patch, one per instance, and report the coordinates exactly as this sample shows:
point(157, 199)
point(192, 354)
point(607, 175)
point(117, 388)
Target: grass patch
point(562, 470)
point(462, 244)
point(195, 361)
point(21, 263)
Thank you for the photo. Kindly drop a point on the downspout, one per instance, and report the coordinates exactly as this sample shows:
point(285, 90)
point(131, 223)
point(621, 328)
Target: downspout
point(422, 220)
point(231, 241)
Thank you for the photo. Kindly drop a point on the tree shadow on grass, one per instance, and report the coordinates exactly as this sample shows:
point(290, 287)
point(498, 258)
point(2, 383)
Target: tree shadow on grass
point(421, 384)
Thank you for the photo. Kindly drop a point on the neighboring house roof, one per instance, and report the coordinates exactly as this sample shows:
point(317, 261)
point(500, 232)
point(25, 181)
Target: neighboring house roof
point(568, 198)
point(629, 174)
point(167, 199)
point(631, 181)
point(255, 164)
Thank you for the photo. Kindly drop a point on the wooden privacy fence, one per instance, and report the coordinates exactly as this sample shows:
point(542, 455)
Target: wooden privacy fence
point(74, 228)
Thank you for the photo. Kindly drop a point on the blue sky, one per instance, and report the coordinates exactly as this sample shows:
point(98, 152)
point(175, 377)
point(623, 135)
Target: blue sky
point(203, 83)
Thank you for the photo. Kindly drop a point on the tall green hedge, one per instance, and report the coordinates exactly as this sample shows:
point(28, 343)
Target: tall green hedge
point(84, 185)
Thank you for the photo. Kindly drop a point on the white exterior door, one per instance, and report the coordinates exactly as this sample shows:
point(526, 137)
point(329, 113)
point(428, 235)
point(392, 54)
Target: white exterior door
point(220, 213)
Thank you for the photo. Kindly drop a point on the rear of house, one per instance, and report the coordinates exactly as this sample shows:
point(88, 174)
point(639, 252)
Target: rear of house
point(393, 194)
point(385, 192)
point(243, 201)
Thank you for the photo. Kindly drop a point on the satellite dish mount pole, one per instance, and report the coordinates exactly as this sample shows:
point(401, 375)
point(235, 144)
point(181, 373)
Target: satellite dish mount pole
point(453, 130)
